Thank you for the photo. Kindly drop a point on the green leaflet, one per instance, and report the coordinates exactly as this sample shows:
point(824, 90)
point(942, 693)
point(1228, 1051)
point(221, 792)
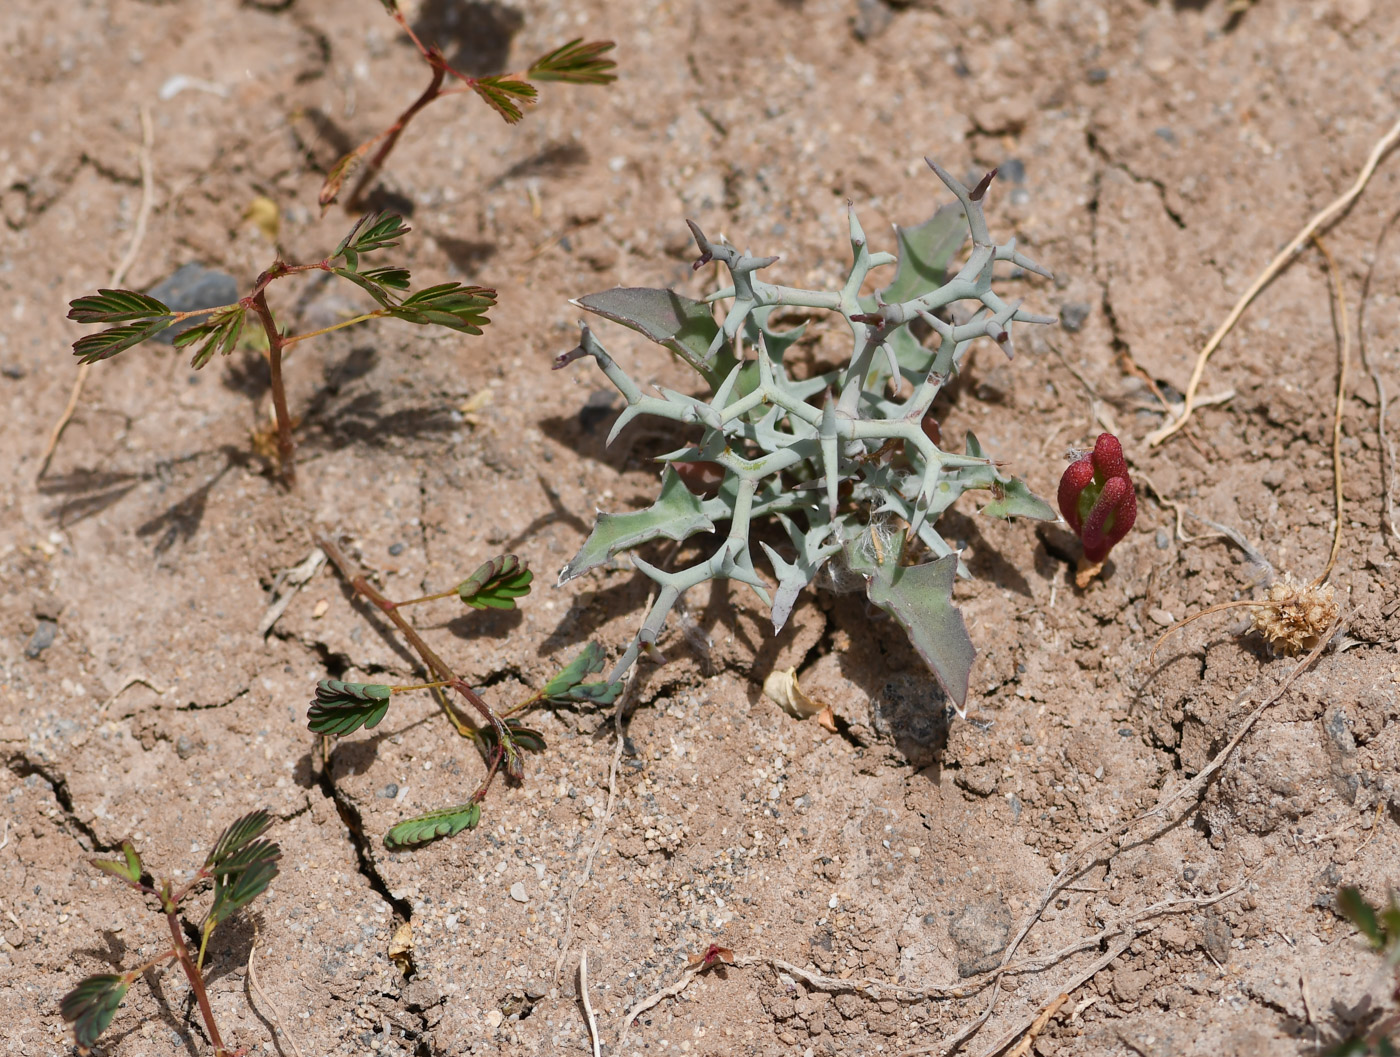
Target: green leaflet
point(444, 822)
point(91, 1005)
point(496, 584)
point(340, 708)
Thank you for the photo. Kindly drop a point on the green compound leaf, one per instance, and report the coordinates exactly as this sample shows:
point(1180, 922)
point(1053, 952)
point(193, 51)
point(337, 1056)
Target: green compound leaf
point(444, 822)
point(242, 864)
point(920, 598)
point(590, 659)
point(238, 836)
point(576, 63)
point(340, 708)
point(115, 306)
point(129, 870)
point(672, 320)
point(496, 584)
point(91, 1005)
point(107, 343)
point(569, 687)
point(503, 95)
point(451, 305)
point(219, 333)
point(380, 231)
point(677, 514)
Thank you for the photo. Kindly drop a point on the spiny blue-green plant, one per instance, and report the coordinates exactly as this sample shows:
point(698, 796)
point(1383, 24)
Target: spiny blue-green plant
point(139, 317)
point(240, 866)
point(847, 462)
point(342, 708)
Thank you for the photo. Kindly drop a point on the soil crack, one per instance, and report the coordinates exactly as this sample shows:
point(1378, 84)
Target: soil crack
point(22, 767)
point(1091, 140)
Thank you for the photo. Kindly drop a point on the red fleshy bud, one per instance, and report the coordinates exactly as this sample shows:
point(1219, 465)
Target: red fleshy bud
point(1097, 498)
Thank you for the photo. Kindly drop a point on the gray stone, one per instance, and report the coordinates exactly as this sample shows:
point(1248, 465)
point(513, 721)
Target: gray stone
point(193, 286)
point(1073, 314)
point(42, 638)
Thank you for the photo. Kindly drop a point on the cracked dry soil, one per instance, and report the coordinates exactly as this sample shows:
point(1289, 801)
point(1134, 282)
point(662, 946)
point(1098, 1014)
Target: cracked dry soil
point(1154, 156)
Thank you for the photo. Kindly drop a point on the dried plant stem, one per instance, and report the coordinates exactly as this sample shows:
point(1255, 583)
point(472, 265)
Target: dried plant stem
point(275, 343)
point(1324, 217)
point(138, 234)
point(641, 1007)
point(589, 1018)
point(1075, 864)
point(1028, 1040)
point(619, 712)
point(1152, 657)
point(1387, 449)
point(1339, 306)
point(277, 1021)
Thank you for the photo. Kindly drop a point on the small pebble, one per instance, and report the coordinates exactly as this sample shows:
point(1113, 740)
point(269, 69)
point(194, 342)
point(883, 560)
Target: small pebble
point(389, 791)
point(1012, 170)
point(193, 286)
point(1162, 539)
point(1073, 315)
point(518, 893)
point(395, 549)
point(42, 638)
point(1161, 616)
point(494, 1018)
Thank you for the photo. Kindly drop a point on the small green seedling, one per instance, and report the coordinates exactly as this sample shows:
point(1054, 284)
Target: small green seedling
point(135, 317)
point(1381, 929)
point(341, 708)
point(240, 867)
point(509, 94)
point(837, 459)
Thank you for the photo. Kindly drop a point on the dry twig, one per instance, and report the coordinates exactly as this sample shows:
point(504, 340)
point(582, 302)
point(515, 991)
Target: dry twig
point(1387, 449)
point(641, 1007)
point(1073, 867)
point(276, 1018)
point(1328, 214)
point(1028, 1040)
point(138, 234)
point(588, 1016)
point(618, 714)
point(1339, 305)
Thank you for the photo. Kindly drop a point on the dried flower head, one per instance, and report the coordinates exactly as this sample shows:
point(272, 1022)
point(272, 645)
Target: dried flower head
point(1296, 615)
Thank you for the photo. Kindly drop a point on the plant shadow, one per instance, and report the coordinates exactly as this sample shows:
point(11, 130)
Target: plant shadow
point(475, 35)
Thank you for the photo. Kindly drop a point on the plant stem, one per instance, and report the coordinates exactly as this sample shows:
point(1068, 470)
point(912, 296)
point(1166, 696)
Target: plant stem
point(450, 593)
point(182, 954)
point(378, 314)
point(275, 343)
point(391, 136)
point(435, 664)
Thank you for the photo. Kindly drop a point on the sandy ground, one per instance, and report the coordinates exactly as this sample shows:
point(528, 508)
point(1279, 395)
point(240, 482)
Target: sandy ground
point(1154, 156)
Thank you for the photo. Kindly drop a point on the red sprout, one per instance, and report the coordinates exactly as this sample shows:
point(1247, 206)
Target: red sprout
point(1097, 497)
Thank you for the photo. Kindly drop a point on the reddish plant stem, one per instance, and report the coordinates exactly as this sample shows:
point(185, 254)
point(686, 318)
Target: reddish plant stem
point(435, 664)
point(182, 954)
point(285, 449)
point(391, 135)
